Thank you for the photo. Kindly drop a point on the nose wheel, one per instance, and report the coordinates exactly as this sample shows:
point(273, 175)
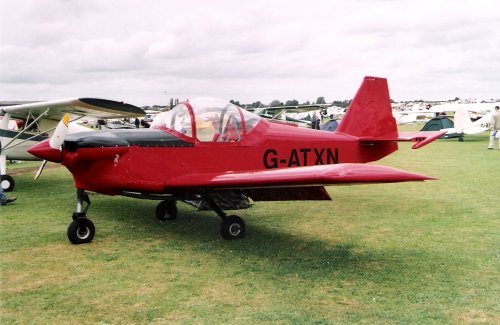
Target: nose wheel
point(81, 230)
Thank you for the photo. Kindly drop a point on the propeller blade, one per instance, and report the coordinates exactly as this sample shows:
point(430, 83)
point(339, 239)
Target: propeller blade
point(39, 172)
point(57, 139)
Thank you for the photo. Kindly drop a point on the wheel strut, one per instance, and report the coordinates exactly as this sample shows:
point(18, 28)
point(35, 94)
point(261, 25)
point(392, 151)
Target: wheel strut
point(81, 230)
point(211, 202)
point(81, 198)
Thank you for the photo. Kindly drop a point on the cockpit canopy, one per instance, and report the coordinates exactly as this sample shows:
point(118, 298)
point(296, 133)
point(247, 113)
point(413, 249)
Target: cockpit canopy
point(207, 120)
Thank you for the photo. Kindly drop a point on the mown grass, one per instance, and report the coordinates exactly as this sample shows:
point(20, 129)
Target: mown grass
point(391, 253)
point(22, 164)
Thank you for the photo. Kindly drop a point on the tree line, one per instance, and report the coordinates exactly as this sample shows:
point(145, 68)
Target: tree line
point(291, 102)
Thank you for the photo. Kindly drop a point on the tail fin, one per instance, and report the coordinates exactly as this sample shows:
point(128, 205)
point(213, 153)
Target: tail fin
point(461, 120)
point(370, 119)
point(370, 114)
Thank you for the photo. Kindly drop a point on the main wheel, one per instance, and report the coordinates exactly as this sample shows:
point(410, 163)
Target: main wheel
point(81, 231)
point(7, 183)
point(166, 210)
point(232, 227)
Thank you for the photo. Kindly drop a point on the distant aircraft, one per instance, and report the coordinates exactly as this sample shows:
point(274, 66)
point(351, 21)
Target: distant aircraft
point(462, 123)
point(215, 154)
point(38, 120)
point(281, 113)
point(411, 117)
point(417, 113)
point(470, 107)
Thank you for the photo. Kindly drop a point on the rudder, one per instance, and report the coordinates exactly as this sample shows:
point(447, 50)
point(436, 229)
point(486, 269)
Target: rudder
point(370, 113)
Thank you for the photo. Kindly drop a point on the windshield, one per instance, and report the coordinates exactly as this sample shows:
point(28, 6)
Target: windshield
point(178, 119)
point(214, 120)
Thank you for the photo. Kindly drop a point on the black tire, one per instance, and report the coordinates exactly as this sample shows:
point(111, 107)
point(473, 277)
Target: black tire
point(166, 210)
point(232, 227)
point(81, 231)
point(7, 183)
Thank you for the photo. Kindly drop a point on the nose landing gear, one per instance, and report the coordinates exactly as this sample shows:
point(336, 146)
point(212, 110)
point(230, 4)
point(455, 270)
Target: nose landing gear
point(81, 230)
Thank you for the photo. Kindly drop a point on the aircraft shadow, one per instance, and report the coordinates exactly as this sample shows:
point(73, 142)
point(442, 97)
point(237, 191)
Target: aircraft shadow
point(284, 252)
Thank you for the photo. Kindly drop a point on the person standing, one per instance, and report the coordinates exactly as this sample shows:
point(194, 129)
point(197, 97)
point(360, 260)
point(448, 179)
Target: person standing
point(495, 128)
point(315, 121)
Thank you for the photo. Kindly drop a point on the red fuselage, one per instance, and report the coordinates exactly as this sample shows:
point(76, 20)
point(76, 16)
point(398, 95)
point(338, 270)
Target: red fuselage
point(150, 167)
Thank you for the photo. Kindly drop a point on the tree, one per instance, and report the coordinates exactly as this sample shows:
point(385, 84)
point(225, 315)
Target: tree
point(235, 102)
point(257, 104)
point(292, 102)
point(320, 100)
point(343, 103)
point(275, 103)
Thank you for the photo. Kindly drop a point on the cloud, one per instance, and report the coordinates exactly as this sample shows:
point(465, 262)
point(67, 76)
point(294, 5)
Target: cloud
point(145, 52)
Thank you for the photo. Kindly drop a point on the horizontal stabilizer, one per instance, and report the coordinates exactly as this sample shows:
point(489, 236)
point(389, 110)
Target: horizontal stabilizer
point(421, 138)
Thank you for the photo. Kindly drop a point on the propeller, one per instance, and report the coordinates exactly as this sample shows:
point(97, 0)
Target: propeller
point(40, 169)
point(56, 140)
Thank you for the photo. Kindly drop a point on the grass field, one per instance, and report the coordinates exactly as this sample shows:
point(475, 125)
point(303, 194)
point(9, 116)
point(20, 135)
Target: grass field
point(418, 253)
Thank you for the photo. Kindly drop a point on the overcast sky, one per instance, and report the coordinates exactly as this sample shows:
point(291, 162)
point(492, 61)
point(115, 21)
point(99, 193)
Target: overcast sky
point(144, 52)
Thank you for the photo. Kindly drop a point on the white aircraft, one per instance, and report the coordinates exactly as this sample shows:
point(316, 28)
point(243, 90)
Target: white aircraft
point(417, 113)
point(471, 107)
point(463, 124)
point(38, 121)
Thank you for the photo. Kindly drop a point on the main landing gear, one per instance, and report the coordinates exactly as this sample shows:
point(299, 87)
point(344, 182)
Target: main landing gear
point(81, 230)
point(166, 210)
point(232, 227)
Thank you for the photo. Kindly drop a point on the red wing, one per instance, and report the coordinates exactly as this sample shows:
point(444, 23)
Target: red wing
point(300, 176)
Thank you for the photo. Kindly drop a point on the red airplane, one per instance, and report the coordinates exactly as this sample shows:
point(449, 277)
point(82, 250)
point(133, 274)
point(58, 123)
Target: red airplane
point(216, 155)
